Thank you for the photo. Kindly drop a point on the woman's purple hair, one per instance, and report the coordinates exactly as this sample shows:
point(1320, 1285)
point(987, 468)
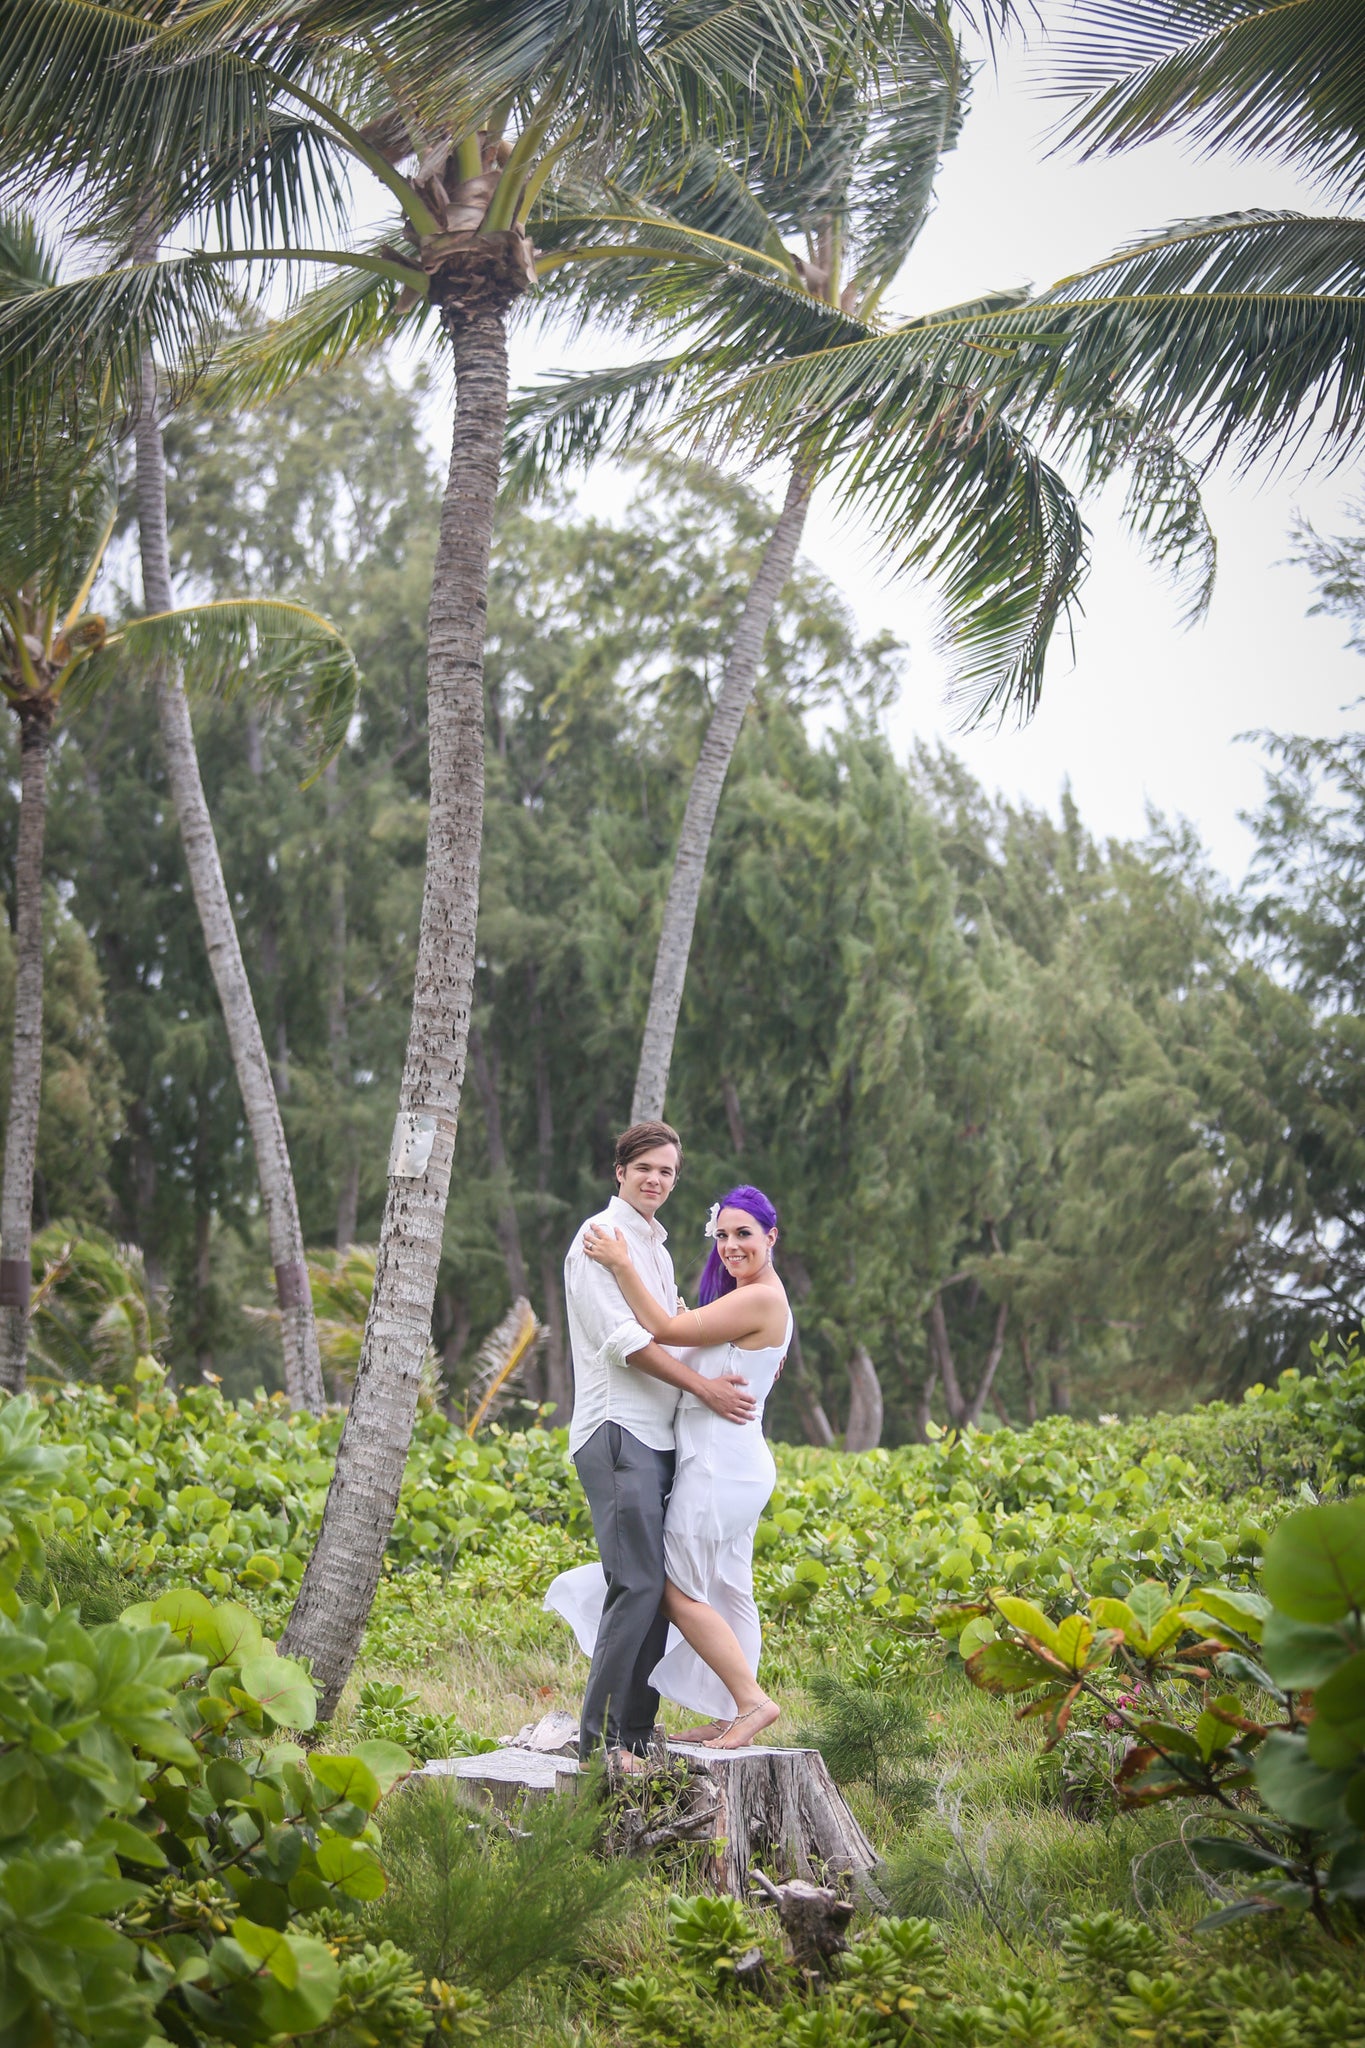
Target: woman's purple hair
point(715, 1279)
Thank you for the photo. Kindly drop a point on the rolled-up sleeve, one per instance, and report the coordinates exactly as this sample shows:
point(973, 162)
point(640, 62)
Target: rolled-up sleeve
point(607, 1325)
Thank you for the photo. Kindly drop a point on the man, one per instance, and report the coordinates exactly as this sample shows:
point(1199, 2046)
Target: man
point(626, 1390)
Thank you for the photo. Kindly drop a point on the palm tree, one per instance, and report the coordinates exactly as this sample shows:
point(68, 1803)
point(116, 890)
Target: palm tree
point(698, 249)
point(255, 113)
point(1242, 333)
point(55, 525)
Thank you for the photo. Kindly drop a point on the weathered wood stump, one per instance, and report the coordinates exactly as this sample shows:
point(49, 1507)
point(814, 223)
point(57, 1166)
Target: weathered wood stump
point(505, 1778)
point(775, 1807)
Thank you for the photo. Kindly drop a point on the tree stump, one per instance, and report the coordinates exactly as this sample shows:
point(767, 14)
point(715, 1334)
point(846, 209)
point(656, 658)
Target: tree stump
point(506, 1778)
point(775, 1807)
point(778, 1807)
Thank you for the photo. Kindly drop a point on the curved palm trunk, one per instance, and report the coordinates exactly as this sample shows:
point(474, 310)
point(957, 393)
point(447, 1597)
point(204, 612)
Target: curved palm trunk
point(703, 801)
point(338, 1586)
point(26, 1073)
point(302, 1365)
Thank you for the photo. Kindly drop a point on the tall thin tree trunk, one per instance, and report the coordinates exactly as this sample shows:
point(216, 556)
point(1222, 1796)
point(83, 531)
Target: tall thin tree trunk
point(26, 1070)
point(338, 1585)
point(943, 1359)
point(508, 1228)
point(806, 1394)
point(558, 1382)
point(924, 1402)
point(1030, 1379)
point(703, 800)
point(977, 1406)
point(302, 1365)
point(338, 1031)
point(864, 1431)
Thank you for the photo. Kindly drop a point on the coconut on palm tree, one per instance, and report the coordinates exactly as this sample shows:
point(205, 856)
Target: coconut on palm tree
point(55, 524)
point(701, 248)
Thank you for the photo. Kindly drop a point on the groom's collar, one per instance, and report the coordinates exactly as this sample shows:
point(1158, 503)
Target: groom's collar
point(620, 1211)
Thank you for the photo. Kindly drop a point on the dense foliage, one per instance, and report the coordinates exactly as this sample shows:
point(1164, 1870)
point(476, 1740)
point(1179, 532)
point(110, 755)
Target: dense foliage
point(1082, 1112)
point(1170, 1598)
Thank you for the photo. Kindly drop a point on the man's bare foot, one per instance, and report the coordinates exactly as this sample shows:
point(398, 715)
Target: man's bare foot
point(741, 1731)
point(630, 1765)
point(705, 1733)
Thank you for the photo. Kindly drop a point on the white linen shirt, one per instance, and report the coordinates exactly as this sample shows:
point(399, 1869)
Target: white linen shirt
point(603, 1333)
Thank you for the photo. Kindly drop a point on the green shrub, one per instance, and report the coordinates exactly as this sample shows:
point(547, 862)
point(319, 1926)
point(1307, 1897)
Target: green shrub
point(387, 1713)
point(488, 1905)
point(872, 1733)
point(161, 1836)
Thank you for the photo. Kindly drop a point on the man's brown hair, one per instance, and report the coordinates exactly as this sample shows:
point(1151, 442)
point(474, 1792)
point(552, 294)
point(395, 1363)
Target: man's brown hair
point(643, 1138)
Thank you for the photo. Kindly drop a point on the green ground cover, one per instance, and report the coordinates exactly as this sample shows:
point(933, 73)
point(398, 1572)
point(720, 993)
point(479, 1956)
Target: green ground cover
point(1020, 1900)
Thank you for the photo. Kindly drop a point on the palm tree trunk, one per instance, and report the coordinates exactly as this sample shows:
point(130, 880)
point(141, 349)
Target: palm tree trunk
point(941, 1351)
point(338, 1029)
point(338, 1586)
point(26, 1071)
point(703, 801)
point(302, 1365)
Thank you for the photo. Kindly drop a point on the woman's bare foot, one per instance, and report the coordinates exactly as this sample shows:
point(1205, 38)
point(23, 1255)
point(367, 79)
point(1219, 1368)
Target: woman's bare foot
point(742, 1730)
point(705, 1733)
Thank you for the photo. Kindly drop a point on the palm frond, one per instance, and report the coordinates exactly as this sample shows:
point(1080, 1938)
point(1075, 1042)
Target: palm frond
point(69, 348)
point(503, 1357)
point(573, 419)
point(351, 312)
point(1244, 332)
point(88, 91)
point(916, 113)
point(1276, 77)
point(27, 261)
point(1164, 505)
point(55, 513)
point(968, 499)
point(275, 652)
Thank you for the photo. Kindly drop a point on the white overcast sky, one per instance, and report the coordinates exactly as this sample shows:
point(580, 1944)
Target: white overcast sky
point(1145, 714)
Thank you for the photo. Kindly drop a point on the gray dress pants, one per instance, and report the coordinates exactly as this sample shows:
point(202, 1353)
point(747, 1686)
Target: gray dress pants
point(627, 1485)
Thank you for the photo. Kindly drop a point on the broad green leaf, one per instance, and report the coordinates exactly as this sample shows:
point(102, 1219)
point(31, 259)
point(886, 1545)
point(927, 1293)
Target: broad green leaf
point(1073, 1641)
point(1246, 1612)
point(1342, 1696)
point(387, 1761)
point(187, 1614)
point(353, 1867)
point(349, 1777)
point(978, 1631)
point(1170, 1736)
point(267, 1945)
point(1314, 1566)
point(1336, 1745)
point(1293, 1787)
point(1300, 1655)
point(1214, 1734)
point(1229, 1852)
point(1149, 1602)
point(238, 1632)
point(283, 1688)
point(1008, 1667)
point(1116, 1614)
point(304, 2007)
point(1029, 1619)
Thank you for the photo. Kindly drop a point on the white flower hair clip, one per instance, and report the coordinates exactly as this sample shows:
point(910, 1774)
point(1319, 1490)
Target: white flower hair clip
point(710, 1229)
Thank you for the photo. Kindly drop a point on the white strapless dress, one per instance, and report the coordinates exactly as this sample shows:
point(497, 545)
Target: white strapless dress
point(723, 1480)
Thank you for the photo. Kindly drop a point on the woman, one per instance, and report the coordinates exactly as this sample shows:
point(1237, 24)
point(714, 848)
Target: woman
point(724, 1475)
